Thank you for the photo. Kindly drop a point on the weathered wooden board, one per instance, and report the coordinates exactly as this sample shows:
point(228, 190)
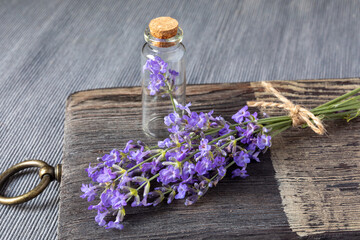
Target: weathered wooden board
point(306, 186)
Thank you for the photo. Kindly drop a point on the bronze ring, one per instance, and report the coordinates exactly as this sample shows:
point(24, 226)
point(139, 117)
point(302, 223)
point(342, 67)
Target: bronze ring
point(47, 173)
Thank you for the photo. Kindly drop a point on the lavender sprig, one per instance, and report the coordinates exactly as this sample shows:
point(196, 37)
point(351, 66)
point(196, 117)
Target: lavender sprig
point(195, 157)
point(162, 79)
point(197, 154)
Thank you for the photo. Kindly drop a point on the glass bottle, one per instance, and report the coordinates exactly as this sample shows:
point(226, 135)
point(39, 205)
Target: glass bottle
point(163, 74)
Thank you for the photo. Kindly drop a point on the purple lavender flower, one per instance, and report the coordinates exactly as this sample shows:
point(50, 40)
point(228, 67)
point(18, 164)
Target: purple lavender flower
point(153, 166)
point(124, 181)
point(191, 199)
point(93, 171)
point(152, 65)
point(191, 120)
point(156, 83)
point(219, 161)
point(158, 195)
point(166, 143)
point(136, 202)
point(118, 200)
point(232, 147)
point(90, 170)
point(219, 120)
point(168, 175)
point(157, 79)
point(241, 114)
point(171, 196)
point(128, 146)
point(221, 171)
point(182, 189)
point(254, 117)
point(263, 141)
point(174, 129)
point(106, 197)
point(163, 65)
point(239, 173)
point(173, 74)
point(241, 159)
point(138, 155)
point(98, 207)
point(250, 129)
point(188, 170)
point(251, 147)
point(225, 130)
point(89, 192)
point(172, 118)
point(115, 225)
point(203, 120)
point(181, 153)
point(204, 147)
point(186, 107)
point(255, 156)
point(203, 166)
point(105, 176)
point(100, 218)
point(113, 157)
point(158, 68)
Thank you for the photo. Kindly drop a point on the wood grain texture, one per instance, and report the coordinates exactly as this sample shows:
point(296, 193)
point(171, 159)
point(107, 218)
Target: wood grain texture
point(99, 120)
point(319, 176)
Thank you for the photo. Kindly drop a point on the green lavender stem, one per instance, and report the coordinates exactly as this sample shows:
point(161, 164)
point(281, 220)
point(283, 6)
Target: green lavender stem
point(172, 102)
point(338, 99)
point(169, 91)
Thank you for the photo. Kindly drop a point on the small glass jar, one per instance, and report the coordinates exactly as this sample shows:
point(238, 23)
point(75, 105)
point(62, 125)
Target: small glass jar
point(163, 80)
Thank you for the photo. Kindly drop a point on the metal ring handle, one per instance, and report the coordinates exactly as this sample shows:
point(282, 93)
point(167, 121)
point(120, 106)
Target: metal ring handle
point(47, 173)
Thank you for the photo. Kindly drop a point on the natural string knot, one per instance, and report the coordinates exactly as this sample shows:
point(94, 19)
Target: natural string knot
point(298, 114)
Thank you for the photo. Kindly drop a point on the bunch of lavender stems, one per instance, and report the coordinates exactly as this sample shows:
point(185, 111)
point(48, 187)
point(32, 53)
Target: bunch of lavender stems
point(199, 152)
point(345, 107)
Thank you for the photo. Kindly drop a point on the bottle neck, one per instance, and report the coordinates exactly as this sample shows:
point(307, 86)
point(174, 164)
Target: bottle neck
point(163, 49)
point(168, 44)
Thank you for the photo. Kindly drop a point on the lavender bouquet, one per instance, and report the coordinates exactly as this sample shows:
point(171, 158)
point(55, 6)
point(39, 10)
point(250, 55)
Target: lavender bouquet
point(198, 153)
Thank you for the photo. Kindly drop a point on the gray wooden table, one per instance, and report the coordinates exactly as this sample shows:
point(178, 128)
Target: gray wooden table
point(51, 48)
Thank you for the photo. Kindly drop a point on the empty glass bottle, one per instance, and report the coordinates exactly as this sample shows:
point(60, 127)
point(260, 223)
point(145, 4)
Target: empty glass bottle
point(163, 74)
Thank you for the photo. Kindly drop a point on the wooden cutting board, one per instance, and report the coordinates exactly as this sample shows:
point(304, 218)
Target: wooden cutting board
point(306, 186)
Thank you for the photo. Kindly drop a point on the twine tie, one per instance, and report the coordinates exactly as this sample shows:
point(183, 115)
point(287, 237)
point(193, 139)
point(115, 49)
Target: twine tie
point(298, 114)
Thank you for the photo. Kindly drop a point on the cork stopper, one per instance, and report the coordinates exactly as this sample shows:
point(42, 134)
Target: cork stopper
point(163, 27)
